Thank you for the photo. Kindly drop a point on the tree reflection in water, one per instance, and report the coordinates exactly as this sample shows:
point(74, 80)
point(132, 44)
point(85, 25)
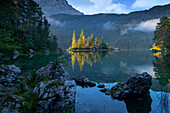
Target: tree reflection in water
point(162, 68)
point(162, 72)
point(88, 57)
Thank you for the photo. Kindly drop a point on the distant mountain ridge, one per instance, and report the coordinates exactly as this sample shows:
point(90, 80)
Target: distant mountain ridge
point(50, 7)
point(127, 31)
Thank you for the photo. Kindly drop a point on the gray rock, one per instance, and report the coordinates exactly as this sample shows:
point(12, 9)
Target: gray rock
point(133, 87)
point(58, 91)
point(1, 54)
point(31, 56)
point(32, 51)
point(8, 74)
point(5, 110)
point(15, 56)
point(16, 53)
point(84, 82)
point(100, 85)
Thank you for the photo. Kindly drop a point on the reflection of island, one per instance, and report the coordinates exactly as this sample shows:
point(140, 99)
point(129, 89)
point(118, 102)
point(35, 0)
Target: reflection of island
point(161, 67)
point(88, 57)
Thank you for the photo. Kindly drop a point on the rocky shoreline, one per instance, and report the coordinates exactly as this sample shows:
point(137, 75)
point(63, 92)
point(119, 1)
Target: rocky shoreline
point(48, 89)
point(51, 89)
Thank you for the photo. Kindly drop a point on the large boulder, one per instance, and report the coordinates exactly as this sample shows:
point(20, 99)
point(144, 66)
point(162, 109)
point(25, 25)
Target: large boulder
point(135, 86)
point(8, 74)
point(52, 71)
point(58, 91)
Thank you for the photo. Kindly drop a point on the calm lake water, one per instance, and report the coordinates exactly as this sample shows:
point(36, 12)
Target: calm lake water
point(106, 68)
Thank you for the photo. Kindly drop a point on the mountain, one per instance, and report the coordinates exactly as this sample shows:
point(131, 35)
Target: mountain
point(131, 31)
point(50, 7)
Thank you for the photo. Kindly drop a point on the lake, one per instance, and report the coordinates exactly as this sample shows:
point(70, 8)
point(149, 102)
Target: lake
point(108, 67)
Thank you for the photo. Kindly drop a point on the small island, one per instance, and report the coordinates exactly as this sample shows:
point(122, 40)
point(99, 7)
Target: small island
point(90, 44)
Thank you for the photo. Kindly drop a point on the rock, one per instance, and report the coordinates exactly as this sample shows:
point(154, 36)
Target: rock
point(133, 87)
point(107, 91)
point(91, 84)
point(31, 56)
point(46, 52)
point(11, 104)
point(58, 91)
point(5, 110)
point(1, 54)
point(100, 85)
point(16, 53)
point(32, 51)
point(84, 82)
point(2, 94)
point(8, 74)
point(15, 56)
point(53, 70)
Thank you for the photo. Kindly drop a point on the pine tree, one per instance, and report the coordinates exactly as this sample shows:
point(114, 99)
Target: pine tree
point(162, 33)
point(73, 40)
point(80, 40)
point(96, 42)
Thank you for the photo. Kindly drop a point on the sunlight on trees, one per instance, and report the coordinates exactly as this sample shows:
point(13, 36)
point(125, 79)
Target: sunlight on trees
point(90, 42)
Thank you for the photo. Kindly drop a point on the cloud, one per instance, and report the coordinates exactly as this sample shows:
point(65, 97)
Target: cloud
point(148, 3)
point(56, 22)
point(146, 26)
point(103, 6)
point(109, 25)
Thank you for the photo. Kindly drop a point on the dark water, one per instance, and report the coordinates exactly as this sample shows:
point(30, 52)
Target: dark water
point(106, 68)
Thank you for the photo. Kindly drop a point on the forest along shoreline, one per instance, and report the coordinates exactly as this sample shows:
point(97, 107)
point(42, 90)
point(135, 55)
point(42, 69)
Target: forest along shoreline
point(51, 89)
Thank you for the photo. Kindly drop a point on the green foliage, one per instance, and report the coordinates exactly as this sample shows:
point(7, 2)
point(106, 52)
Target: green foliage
point(68, 109)
point(162, 33)
point(23, 27)
point(33, 80)
point(87, 43)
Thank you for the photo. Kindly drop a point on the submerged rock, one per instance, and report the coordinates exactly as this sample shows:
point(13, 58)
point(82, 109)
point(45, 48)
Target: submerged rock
point(135, 86)
point(107, 91)
point(84, 82)
point(101, 85)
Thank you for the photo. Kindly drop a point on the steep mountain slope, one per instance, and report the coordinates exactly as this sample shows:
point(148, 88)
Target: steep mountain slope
point(134, 30)
point(50, 7)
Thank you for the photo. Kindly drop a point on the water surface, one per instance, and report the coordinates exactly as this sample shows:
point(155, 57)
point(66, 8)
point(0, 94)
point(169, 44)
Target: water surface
point(108, 67)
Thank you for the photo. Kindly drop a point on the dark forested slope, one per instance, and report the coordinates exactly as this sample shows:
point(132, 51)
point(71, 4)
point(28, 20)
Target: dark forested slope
point(132, 31)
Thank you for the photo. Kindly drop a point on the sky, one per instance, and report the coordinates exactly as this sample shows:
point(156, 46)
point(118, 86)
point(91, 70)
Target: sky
point(114, 6)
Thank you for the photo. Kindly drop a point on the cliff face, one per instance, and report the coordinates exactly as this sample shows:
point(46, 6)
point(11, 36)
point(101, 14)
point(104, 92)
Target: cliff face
point(50, 7)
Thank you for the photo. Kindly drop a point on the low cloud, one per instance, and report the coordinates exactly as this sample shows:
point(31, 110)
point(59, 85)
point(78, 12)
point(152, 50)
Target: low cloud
point(146, 26)
point(56, 22)
point(109, 25)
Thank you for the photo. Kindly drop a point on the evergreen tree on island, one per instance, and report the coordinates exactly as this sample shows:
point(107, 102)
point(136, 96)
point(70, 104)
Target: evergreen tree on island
point(90, 43)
